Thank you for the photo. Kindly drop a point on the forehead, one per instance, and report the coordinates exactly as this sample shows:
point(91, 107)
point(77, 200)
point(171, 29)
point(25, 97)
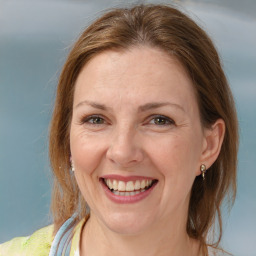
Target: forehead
point(139, 73)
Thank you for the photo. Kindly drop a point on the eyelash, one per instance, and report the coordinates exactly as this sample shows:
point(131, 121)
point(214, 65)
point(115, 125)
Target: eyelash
point(87, 120)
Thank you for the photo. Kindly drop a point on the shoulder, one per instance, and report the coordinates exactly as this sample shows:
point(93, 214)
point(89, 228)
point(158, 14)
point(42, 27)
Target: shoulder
point(39, 243)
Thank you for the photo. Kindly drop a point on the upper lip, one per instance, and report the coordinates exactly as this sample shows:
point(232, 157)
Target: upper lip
point(126, 178)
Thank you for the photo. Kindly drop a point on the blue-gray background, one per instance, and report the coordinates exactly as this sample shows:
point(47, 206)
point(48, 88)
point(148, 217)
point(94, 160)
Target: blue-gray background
point(35, 37)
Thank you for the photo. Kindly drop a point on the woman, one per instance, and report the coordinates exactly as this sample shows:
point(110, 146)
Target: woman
point(143, 141)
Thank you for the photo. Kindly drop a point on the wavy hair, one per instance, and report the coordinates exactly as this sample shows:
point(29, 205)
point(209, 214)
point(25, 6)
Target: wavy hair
point(173, 32)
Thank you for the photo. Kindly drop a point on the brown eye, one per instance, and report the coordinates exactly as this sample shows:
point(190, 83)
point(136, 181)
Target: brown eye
point(93, 120)
point(96, 120)
point(161, 121)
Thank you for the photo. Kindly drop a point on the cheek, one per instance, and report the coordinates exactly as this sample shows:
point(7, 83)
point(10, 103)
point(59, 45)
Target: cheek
point(176, 161)
point(177, 158)
point(86, 152)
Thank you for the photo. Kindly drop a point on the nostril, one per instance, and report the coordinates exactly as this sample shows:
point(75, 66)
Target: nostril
point(125, 156)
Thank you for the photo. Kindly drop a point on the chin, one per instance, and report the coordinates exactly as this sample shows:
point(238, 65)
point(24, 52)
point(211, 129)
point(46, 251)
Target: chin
point(127, 224)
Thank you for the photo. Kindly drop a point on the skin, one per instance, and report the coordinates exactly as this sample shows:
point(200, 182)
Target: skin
point(129, 140)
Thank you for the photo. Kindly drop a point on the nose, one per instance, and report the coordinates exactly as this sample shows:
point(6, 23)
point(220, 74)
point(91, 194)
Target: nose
point(125, 149)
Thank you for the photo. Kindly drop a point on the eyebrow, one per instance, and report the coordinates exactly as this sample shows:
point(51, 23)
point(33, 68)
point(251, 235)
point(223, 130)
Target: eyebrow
point(142, 108)
point(155, 105)
point(92, 104)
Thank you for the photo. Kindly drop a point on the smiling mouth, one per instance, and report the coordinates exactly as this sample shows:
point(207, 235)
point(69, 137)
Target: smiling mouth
point(129, 188)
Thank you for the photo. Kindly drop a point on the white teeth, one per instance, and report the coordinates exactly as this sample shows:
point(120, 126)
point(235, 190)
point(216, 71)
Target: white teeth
point(129, 186)
point(120, 193)
point(143, 184)
point(137, 185)
point(110, 184)
point(115, 185)
point(116, 192)
point(121, 186)
point(126, 188)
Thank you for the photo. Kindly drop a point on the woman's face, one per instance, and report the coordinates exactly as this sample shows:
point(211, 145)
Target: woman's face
point(136, 139)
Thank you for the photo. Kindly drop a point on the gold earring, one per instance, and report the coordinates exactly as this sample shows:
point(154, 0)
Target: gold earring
point(203, 170)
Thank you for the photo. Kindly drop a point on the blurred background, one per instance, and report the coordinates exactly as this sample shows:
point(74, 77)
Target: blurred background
point(35, 37)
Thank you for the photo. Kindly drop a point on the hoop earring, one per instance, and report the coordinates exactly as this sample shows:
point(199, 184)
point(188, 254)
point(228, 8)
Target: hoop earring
point(203, 170)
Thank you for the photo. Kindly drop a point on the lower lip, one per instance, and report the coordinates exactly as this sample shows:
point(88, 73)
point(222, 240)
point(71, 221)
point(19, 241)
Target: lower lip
point(126, 199)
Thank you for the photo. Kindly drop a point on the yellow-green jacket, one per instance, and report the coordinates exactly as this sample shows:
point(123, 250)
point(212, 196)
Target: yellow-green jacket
point(42, 243)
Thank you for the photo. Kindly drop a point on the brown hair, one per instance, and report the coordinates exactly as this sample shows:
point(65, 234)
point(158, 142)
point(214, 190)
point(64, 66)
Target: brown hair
point(168, 29)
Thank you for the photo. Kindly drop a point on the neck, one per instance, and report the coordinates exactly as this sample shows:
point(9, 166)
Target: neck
point(161, 240)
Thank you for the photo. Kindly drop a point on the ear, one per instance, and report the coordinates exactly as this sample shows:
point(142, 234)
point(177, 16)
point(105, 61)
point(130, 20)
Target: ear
point(213, 138)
